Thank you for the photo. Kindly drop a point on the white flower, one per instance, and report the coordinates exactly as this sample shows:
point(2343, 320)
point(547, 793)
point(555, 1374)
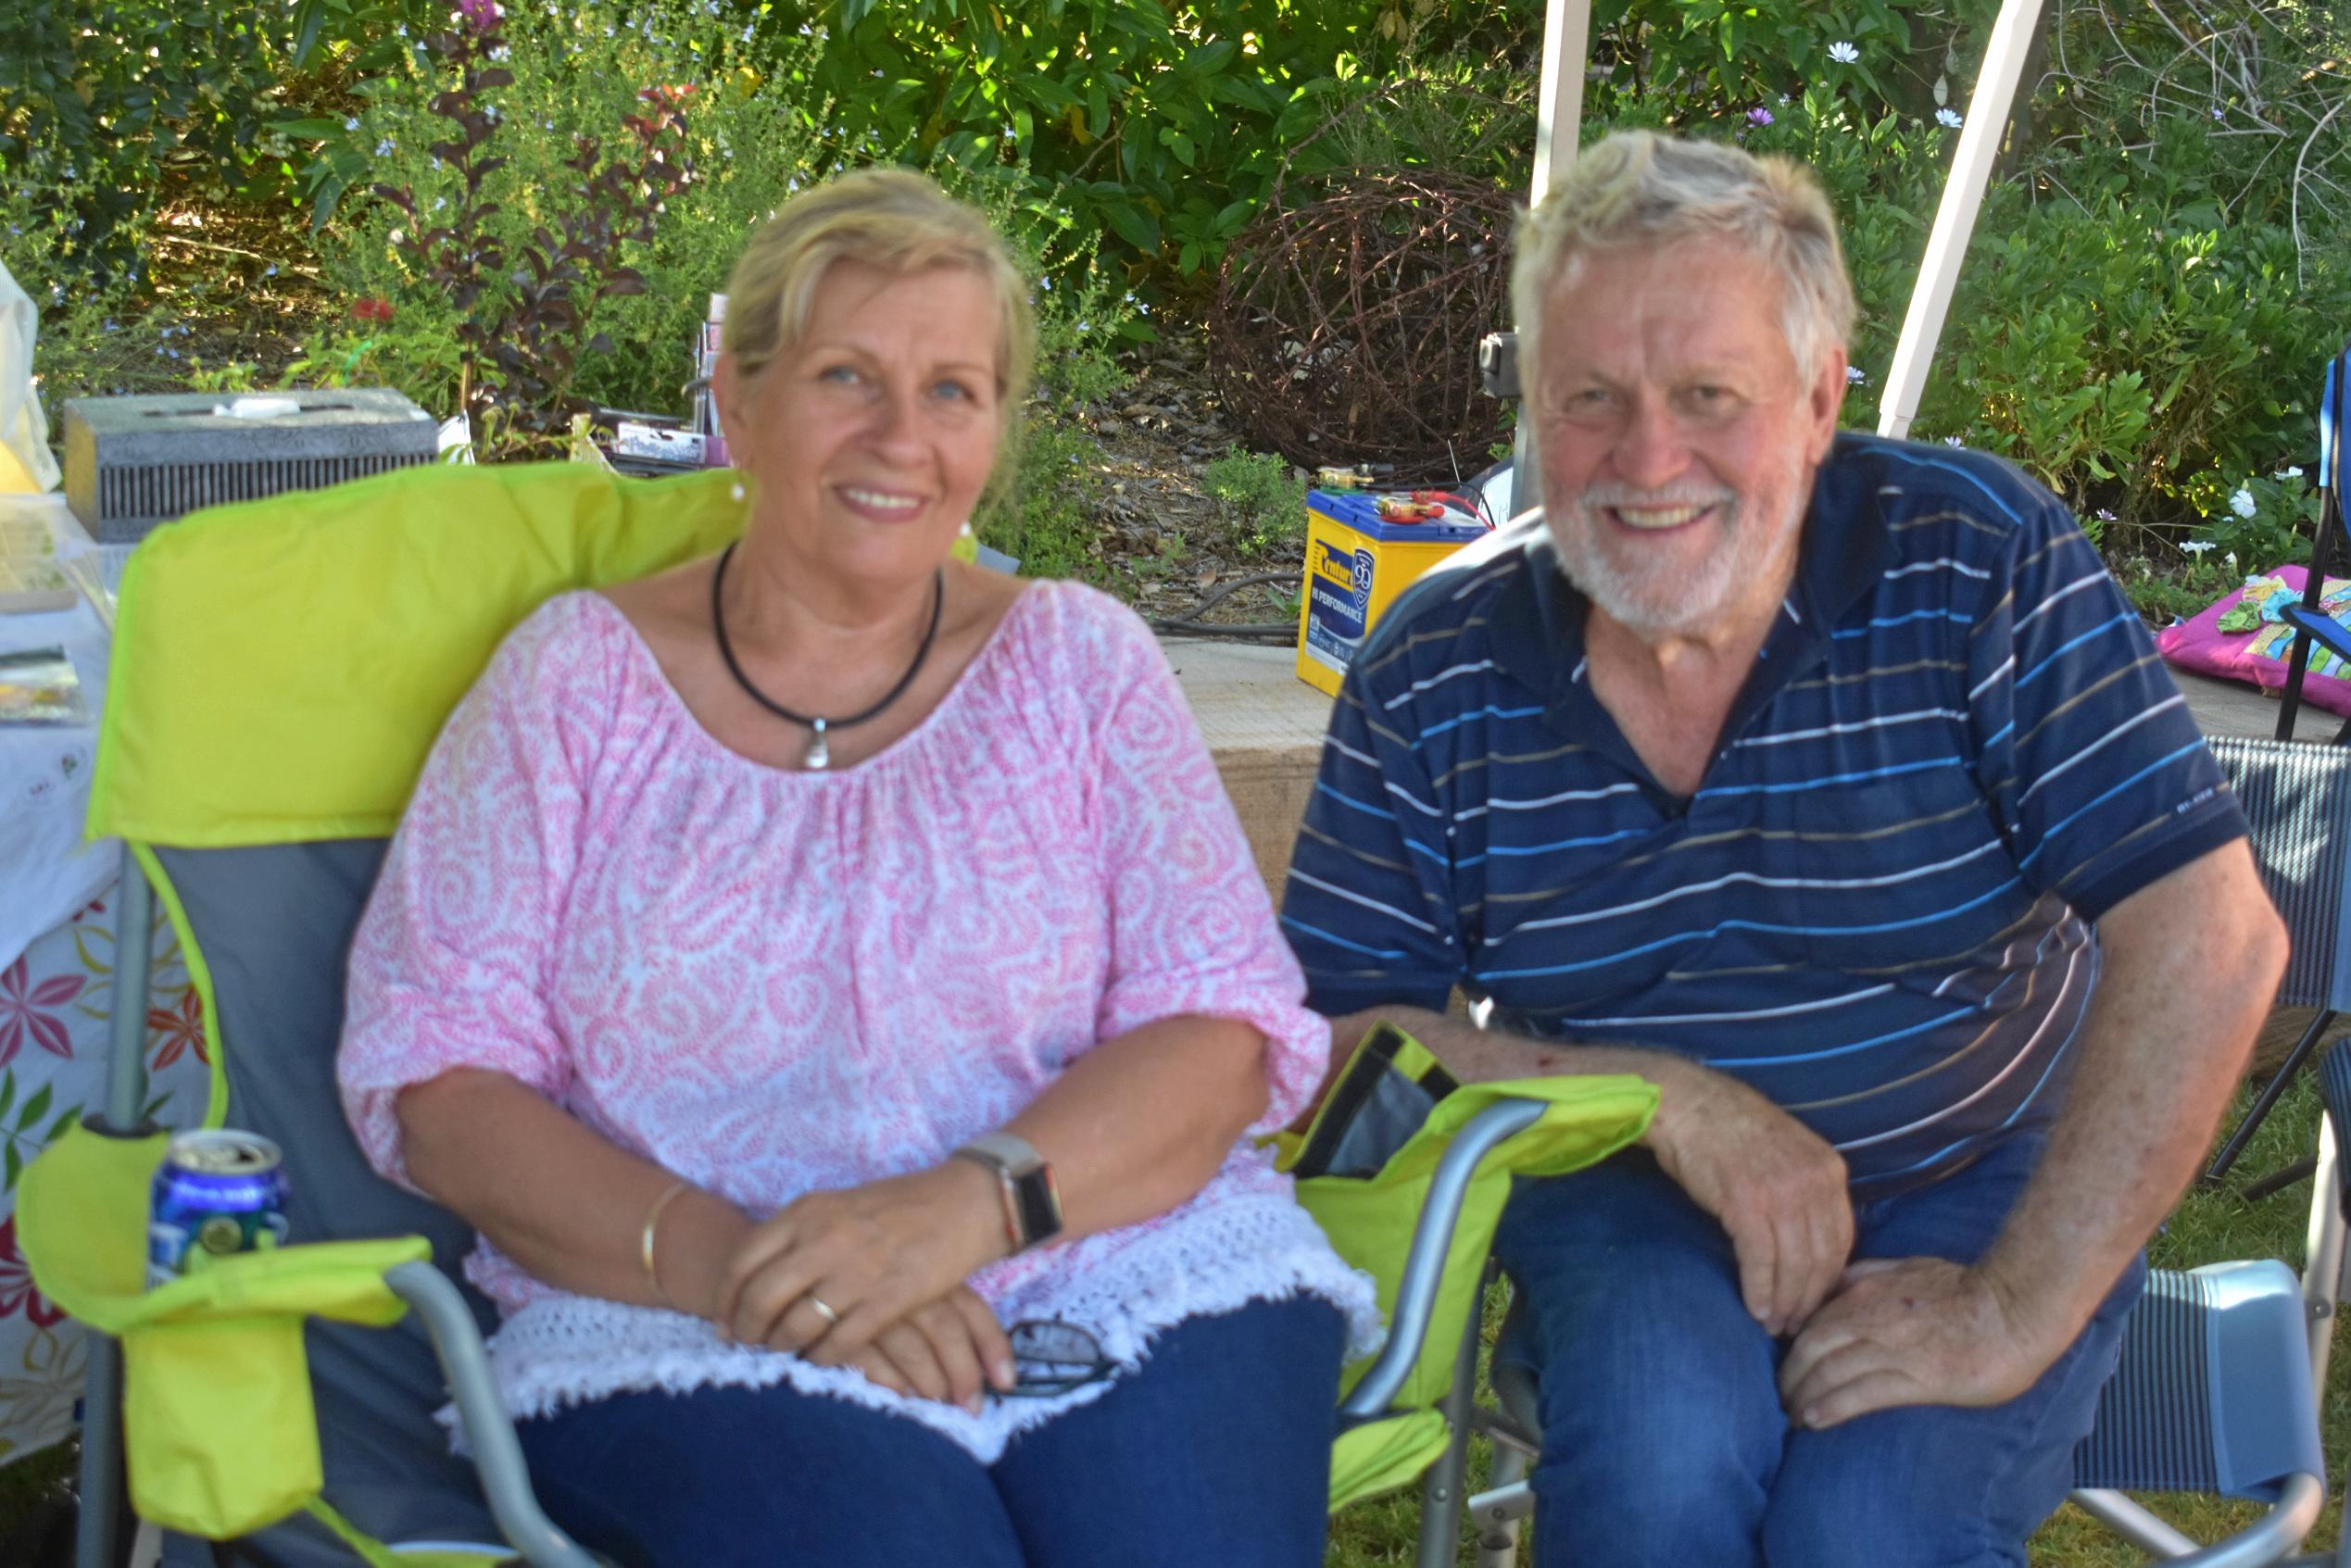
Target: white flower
point(2295, 473)
point(1948, 117)
point(1952, 441)
point(1844, 52)
point(2199, 546)
point(2242, 502)
point(1856, 375)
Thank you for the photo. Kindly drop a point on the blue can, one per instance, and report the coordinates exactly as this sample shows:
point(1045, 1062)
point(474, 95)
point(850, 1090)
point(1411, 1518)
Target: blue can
point(217, 1192)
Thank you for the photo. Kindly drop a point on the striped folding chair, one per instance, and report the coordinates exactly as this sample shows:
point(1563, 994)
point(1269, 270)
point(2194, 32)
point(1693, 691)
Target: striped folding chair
point(2297, 801)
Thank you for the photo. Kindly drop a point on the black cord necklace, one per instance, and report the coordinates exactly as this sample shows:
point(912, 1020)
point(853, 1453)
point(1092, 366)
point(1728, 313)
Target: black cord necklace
point(819, 755)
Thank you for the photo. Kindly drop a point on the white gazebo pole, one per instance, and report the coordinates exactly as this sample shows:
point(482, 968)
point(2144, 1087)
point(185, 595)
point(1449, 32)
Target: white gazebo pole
point(1559, 115)
point(2003, 61)
point(1559, 110)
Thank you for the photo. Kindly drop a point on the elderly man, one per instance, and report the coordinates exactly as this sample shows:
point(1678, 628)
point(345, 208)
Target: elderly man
point(1830, 783)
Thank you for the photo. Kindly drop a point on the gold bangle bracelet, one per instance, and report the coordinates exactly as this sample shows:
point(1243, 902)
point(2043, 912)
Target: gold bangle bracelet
point(645, 1241)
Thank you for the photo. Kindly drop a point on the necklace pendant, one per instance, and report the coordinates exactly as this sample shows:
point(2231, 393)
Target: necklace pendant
point(819, 755)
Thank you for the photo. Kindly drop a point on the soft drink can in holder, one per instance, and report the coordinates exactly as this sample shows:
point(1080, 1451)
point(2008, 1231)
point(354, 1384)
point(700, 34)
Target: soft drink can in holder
point(217, 1192)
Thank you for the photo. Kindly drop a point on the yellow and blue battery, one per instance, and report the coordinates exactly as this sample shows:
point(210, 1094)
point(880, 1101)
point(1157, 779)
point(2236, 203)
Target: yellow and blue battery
point(1356, 565)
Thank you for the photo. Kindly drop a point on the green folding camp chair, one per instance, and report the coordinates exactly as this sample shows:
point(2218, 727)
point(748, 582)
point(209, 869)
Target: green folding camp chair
point(280, 672)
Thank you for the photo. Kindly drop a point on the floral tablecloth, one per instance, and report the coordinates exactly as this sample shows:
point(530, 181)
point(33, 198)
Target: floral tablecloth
point(56, 1000)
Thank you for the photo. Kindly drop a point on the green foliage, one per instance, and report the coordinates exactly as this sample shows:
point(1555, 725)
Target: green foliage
point(1258, 500)
point(526, 307)
point(2266, 521)
point(101, 99)
point(93, 334)
point(1159, 123)
point(1700, 60)
point(1045, 520)
point(2113, 330)
point(580, 74)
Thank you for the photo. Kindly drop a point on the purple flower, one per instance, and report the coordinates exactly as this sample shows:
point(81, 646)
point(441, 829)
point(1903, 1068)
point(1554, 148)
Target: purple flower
point(480, 15)
point(1759, 115)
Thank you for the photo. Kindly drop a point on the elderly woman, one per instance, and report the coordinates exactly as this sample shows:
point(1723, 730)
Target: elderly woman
point(832, 981)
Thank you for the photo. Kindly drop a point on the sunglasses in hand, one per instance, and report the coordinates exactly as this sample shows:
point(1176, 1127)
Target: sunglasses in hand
point(1050, 1357)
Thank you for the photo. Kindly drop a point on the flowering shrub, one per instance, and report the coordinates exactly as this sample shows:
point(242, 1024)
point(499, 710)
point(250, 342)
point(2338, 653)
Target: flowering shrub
point(673, 70)
point(526, 307)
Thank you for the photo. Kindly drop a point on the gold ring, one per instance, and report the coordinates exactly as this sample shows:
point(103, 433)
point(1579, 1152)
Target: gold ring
point(832, 1319)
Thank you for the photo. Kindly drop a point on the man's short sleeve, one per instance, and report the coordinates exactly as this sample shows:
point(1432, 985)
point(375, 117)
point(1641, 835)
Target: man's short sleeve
point(1368, 907)
point(2086, 750)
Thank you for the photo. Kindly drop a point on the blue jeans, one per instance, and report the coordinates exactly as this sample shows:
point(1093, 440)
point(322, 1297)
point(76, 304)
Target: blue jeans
point(1215, 1451)
point(1663, 1439)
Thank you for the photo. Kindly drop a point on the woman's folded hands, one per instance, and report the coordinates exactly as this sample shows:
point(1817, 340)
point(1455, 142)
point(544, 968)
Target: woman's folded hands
point(872, 1277)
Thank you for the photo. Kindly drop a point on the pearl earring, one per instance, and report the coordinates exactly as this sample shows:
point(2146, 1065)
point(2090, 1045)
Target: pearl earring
point(738, 492)
point(966, 532)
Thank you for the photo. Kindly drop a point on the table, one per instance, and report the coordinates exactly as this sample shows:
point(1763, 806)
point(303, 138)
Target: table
point(56, 1000)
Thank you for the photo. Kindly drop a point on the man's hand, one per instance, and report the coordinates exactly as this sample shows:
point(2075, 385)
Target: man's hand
point(1777, 1188)
point(1917, 1331)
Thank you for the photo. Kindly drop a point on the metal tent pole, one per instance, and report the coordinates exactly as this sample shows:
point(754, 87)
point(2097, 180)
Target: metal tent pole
point(2003, 63)
point(1559, 113)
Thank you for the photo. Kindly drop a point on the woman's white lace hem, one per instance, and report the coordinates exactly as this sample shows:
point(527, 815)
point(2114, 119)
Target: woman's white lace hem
point(563, 1351)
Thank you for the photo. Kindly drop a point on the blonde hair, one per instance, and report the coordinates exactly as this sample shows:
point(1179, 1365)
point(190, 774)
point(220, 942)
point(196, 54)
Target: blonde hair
point(893, 218)
point(1637, 187)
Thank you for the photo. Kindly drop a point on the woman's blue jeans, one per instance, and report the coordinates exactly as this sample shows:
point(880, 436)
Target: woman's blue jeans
point(1215, 1452)
point(1663, 1439)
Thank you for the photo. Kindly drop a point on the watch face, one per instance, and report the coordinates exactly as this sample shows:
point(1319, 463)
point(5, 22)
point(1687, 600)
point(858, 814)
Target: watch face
point(1040, 1206)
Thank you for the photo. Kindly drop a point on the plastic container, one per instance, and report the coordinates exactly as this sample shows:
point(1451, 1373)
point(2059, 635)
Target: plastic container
point(1356, 567)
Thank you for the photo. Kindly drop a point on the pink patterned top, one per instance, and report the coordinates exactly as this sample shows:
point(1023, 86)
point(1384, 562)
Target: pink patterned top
point(774, 982)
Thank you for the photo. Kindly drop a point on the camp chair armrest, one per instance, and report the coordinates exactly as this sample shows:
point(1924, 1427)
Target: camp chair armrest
point(1424, 1268)
point(498, 1454)
point(2267, 1539)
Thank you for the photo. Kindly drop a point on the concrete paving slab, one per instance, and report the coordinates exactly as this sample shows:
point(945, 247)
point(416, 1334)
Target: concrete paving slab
point(2225, 707)
point(1264, 728)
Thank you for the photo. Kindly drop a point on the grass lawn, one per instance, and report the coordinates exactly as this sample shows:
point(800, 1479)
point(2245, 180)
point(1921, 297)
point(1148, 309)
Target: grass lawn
point(2209, 1227)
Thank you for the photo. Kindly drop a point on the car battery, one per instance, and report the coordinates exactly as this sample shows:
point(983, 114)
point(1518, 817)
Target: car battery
point(1356, 564)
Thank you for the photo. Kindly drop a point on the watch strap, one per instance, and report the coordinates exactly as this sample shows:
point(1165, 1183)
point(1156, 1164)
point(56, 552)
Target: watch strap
point(1025, 1182)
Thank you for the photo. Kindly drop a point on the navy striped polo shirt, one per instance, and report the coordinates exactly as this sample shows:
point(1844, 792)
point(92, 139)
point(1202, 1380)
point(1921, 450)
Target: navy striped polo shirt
point(1958, 748)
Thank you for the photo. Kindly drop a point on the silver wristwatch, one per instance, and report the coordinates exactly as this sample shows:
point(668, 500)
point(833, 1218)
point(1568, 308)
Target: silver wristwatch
point(1032, 1203)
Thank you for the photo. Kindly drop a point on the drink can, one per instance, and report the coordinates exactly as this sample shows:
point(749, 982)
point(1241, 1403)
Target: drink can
point(217, 1192)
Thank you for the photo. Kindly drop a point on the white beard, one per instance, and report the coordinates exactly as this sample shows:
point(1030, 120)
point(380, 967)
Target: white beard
point(1647, 598)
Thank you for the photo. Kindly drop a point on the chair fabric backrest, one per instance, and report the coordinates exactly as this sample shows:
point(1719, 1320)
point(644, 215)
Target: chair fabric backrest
point(281, 669)
point(274, 923)
point(2298, 798)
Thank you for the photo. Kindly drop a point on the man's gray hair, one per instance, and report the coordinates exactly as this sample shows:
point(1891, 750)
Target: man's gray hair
point(1640, 188)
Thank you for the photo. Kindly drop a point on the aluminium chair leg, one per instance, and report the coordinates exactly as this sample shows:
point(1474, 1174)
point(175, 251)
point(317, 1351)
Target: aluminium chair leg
point(100, 1538)
point(1440, 1494)
point(1516, 1428)
point(2322, 1257)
